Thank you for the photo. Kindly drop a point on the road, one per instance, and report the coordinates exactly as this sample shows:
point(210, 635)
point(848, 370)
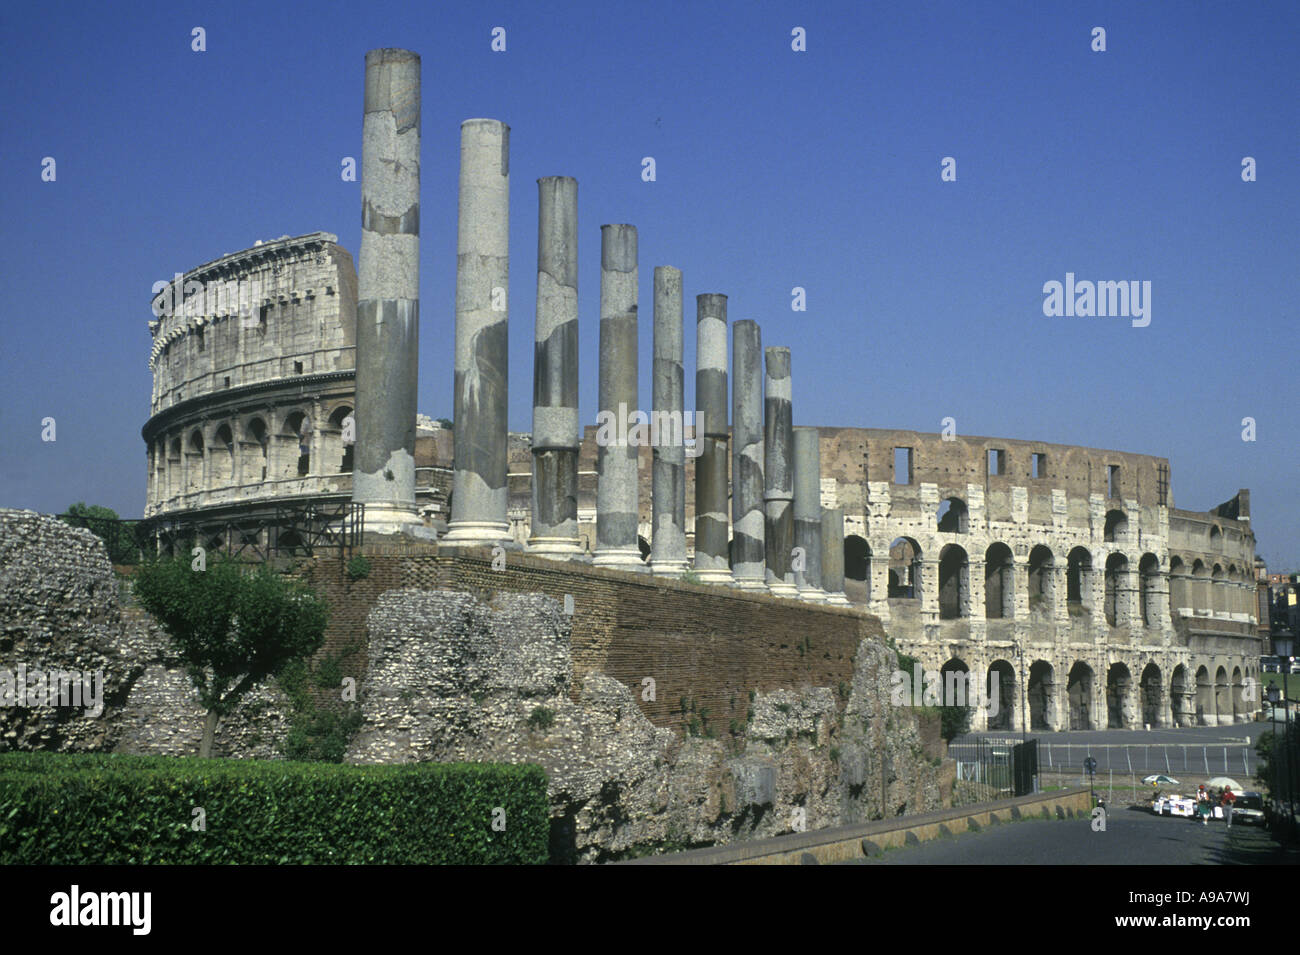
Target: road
point(1132, 837)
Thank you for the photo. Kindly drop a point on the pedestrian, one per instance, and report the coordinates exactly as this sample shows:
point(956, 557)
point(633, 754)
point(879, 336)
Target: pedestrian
point(1203, 805)
point(1228, 800)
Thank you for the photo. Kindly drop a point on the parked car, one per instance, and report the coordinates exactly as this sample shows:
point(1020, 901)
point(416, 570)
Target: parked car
point(1249, 808)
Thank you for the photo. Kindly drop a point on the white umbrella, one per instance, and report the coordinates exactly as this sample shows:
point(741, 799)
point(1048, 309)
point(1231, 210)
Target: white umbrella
point(1223, 782)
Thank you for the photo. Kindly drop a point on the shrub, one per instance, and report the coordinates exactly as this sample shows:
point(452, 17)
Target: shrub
point(99, 809)
point(358, 568)
point(541, 718)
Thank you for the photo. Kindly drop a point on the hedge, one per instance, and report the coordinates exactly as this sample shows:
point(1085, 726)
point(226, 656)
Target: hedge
point(97, 809)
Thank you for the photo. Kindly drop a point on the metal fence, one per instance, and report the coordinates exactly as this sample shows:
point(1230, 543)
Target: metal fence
point(289, 531)
point(993, 769)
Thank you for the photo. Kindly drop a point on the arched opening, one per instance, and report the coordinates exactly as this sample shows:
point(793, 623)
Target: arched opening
point(955, 686)
point(1222, 697)
point(1151, 695)
point(1079, 692)
point(1116, 592)
point(954, 583)
point(194, 463)
point(953, 516)
point(175, 470)
point(1200, 587)
point(1078, 580)
point(904, 568)
point(1149, 572)
point(1178, 695)
point(1238, 703)
point(297, 431)
point(338, 443)
point(1002, 676)
point(1216, 537)
point(999, 583)
point(643, 546)
point(1041, 688)
point(1042, 580)
point(1204, 698)
point(1177, 584)
point(257, 433)
point(1218, 590)
point(223, 457)
point(1116, 527)
point(1118, 703)
point(857, 569)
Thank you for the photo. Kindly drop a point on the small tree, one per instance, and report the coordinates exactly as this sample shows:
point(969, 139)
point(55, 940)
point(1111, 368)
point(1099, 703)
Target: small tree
point(118, 535)
point(233, 628)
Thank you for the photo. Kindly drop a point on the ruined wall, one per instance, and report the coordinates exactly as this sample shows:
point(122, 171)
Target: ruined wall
point(62, 609)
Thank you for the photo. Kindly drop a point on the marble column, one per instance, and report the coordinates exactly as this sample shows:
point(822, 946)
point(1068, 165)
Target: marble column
point(711, 564)
point(778, 474)
point(833, 556)
point(617, 490)
point(388, 295)
point(808, 514)
point(554, 531)
point(747, 557)
point(478, 498)
point(668, 489)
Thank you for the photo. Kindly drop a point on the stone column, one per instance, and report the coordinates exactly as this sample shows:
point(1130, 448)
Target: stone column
point(711, 564)
point(668, 490)
point(833, 556)
point(778, 474)
point(747, 558)
point(808, 514)
point(388, 294)
point(554, 531)
point(617, 499)
point(478, 497)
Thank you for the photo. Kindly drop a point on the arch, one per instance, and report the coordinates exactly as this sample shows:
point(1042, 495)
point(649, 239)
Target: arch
point(904, 568)
point(1116, 601)
point(223, 456)
point(1119, 703)
point(953, 516)
point(1222, 697)
point(175, 471)
point(1218, 590)
point(259, 436)
point(1177, 583)
point(194, 453)
point(1041, 695)
point(1200, 586)
point(1078, 579)
point(336, 448)
point(1079, 692)
point(1042, 580)
point(1178, 697)
point(1204, 698)
point(956, 690)
point(1239, 707)
point(954, 583)
point(1216, 537)
point(1003, 716)
point(999, 582)
point(1151, 691)
point(1148, 589)
point(297, 429)
point(1116, 527)
point(857, 569)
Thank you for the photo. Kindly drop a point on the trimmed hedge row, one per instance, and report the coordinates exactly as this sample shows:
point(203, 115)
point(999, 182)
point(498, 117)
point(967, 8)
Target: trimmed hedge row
point(97, 809)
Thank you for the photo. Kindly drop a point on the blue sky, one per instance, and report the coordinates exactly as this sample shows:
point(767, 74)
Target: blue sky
point(775, 169)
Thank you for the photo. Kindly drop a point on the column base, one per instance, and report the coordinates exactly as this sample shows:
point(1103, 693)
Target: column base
point(561, 548)
point(838, 599)
point(751, 584)
point(668, 568)
point(387, 517)
point(620, 558)
point(479, 534)
point(779, 588)
point(713, 575)
point(812, 595)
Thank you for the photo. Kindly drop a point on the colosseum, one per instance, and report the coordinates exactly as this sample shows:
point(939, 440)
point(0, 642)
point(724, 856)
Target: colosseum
point(995, 556)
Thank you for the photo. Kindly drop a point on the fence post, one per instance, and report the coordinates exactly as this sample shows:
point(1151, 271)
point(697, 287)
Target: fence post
point(1205, 755)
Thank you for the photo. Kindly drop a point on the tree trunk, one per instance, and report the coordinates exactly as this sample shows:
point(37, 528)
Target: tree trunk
point(209, 731)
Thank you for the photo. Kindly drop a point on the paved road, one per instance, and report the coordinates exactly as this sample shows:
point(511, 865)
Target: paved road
point(1132, 837)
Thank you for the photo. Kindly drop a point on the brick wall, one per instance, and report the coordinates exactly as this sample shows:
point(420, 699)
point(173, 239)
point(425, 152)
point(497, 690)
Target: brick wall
point(708, 645)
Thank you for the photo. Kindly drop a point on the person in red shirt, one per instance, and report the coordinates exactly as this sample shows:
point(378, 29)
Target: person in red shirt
point(1227, 801)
